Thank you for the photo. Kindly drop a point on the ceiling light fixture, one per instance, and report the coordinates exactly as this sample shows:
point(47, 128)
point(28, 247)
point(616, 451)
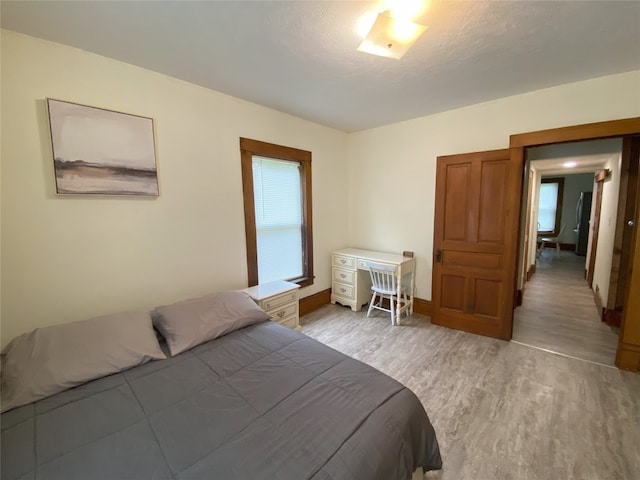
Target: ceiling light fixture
point(391, 37)
point(569, 164)
point(392, 32)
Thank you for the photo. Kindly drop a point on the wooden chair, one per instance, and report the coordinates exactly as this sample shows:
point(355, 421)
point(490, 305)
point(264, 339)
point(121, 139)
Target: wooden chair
point(555, 241)
point(384, 285)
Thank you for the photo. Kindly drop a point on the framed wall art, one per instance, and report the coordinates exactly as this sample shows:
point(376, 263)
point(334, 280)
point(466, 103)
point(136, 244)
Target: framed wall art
point(98, 151)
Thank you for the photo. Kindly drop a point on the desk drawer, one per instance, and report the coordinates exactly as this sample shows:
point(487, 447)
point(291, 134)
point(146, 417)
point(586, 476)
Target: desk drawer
point(342, 290)
point(343, 261)
point(362, 264)
point(274, 302)
point(344, 276)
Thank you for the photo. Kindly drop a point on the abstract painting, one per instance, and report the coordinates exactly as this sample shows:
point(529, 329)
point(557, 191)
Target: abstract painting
point(98, 151)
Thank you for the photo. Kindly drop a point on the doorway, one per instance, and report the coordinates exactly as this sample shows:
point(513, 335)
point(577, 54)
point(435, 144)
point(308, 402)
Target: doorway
point(559, 311)
point(628, 351)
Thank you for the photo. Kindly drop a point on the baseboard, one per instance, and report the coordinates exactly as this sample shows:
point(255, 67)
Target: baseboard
point(519, 295)
point(612, 318)
point(317, 300)
point(598, 300)
point(421, 306)
point(531, 271)
point(314, 302)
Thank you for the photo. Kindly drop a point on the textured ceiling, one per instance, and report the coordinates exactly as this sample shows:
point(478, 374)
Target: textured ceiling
point(300, 57)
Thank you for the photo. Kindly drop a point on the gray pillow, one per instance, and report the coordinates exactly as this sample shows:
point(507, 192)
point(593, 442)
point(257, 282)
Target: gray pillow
point(52, 359)
point(191, 322)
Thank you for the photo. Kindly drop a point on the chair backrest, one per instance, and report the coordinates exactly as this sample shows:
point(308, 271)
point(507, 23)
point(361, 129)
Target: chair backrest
point(556, 237)
point(383, 277)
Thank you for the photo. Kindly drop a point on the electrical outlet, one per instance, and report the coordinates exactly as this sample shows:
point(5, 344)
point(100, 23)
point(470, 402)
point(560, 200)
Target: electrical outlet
point(407, 253)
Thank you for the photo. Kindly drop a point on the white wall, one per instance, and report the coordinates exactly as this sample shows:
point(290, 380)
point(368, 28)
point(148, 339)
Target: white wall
point(70, 258)
point(606, 231)
point(392, 168)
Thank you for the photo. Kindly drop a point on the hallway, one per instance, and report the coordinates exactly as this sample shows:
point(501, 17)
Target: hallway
point(558, 312)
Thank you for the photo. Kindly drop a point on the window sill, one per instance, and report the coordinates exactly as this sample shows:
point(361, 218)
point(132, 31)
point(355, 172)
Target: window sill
point(303, 281)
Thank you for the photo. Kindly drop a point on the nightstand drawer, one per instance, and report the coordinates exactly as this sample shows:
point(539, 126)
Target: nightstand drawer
point(283, 312)
point(342, 290)
point(344, 276)
point(344, 262)
point(275, 301)
point(291, 322)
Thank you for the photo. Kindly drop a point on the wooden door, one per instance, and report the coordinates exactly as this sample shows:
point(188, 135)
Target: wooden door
point(628, 354)
point(623, 241)
point(475, 236)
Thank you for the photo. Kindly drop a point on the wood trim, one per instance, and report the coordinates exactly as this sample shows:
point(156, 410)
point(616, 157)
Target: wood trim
point(422, 307)
point(589, 131)
point(519, 297)
point(602, 175)
point(627, 357)
point(531, 271)
point(598, 300)
point(249, 216)
point(314, 302)
point(595, 227)
point(517, 162)
point(627, 201)
point(274, 151)
point(612, 317)
point(307, 233)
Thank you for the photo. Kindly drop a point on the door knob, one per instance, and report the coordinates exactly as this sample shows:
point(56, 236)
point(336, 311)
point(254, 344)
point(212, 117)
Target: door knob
point(631, 223)
point(438, 256)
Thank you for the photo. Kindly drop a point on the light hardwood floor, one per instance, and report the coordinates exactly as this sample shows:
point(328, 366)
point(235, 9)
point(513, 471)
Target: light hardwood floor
point(558, 312)
point(501, 410)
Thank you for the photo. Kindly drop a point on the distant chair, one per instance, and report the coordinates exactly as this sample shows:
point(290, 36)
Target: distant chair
point(384, 285)
point(555, 241)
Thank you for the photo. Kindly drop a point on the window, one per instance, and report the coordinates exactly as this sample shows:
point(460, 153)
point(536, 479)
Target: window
point(550, 205)
point(276, 184)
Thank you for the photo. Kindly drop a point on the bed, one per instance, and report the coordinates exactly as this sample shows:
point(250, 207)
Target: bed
point(258, 402)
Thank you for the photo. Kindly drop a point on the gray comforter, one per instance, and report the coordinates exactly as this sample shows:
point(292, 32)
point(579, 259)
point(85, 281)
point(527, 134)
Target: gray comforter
point(263, 402)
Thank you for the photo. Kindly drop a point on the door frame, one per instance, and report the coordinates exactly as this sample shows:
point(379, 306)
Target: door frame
point(595, 233)
point(628, 354)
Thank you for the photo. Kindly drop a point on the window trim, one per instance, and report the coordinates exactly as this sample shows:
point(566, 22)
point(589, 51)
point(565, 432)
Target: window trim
point(248, 148)
point(560, 182)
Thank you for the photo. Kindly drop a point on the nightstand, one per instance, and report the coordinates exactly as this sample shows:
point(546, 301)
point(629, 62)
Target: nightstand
point(280, 300)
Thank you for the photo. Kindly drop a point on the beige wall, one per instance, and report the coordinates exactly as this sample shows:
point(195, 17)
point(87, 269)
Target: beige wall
point(392, 168)
point(66, 259)
point(69, 258)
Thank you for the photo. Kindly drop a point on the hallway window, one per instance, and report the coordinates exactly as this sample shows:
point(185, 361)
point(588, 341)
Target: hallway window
point(550, 205)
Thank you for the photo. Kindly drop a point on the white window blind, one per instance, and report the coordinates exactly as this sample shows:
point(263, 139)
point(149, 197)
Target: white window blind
point(547, 207)
point(277, 191)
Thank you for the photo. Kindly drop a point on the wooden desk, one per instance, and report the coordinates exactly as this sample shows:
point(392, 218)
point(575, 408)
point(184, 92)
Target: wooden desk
point(351, 282)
